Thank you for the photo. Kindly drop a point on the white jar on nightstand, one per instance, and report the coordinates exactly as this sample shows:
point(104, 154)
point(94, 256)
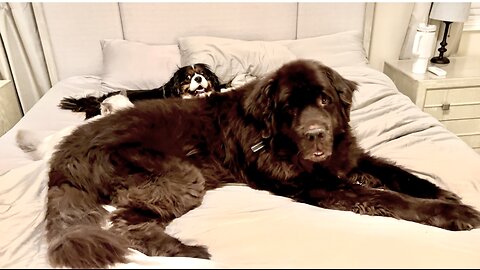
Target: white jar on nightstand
point(422, 48)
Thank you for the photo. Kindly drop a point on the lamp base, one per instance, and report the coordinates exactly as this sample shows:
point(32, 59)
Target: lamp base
point(440, 60)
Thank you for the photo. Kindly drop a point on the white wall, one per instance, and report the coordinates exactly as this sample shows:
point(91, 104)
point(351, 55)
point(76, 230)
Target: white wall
point(469, 44)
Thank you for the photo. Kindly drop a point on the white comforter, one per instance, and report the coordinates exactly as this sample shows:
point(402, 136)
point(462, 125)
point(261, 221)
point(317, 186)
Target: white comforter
point(249, 228)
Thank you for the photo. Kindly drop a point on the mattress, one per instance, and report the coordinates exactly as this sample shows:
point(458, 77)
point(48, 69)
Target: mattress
point(247, 228)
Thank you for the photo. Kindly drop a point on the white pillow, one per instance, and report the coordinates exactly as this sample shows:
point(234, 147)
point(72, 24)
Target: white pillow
point(231, 57)
point(134, 65)
point(335, 50)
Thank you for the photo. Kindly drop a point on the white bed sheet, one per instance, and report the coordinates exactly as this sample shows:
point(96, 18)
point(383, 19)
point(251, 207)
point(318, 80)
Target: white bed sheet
point(246, 228)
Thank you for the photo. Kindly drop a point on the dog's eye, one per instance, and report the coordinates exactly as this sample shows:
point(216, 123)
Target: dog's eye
point(290, 110)
point(324, 100)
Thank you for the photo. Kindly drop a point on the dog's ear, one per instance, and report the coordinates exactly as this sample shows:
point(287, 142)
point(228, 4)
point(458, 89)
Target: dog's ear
point(123, 92)
point(172, 87)
point(214, 81)
point(344, 89)
point(211, 77)
point(261, 104)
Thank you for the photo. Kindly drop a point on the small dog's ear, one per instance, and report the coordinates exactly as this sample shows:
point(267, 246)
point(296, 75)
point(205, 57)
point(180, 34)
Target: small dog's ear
point(211, 77)
point(172, 87)
point(123, 92)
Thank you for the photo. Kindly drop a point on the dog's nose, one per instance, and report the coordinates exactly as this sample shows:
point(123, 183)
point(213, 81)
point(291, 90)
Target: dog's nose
point(314, 133)
point(198, 79)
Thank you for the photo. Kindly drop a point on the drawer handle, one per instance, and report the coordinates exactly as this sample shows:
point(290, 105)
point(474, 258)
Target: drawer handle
point(446, 107)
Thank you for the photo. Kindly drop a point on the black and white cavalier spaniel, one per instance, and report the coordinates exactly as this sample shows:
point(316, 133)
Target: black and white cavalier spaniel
point(196, 80)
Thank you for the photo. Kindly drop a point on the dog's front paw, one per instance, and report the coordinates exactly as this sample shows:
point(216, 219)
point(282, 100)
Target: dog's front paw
point(194, 252)
point(453, 216)
point(465, 218)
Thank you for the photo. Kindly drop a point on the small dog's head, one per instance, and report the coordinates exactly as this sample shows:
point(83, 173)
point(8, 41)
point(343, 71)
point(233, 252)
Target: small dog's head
point(196, 80)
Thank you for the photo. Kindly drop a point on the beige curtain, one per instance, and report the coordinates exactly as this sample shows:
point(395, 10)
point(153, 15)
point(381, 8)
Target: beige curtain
point(21, 55)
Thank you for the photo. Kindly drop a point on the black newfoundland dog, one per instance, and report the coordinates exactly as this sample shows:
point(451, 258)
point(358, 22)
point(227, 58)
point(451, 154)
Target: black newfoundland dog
point(287, 133)
point(196, 80)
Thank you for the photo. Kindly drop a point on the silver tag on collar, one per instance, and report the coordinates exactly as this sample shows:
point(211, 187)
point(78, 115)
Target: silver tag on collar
point(257, 147)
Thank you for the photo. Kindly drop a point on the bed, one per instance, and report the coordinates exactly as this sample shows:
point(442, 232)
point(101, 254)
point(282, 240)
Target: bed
point(134, 46)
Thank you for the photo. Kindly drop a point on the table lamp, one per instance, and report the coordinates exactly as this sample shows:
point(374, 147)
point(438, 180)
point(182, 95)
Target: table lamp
point(448, 13)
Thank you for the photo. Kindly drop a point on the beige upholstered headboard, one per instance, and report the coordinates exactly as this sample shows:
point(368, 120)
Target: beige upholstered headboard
point(71, 32)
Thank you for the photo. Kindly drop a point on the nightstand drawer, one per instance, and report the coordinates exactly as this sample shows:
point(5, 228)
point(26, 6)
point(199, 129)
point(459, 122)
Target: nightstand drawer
point(463, 127)
point(472, 140)
point(454, 103)
point(457, 96)
point(454, 112)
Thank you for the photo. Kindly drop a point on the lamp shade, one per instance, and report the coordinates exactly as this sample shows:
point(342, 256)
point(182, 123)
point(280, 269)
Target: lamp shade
point(450, 12)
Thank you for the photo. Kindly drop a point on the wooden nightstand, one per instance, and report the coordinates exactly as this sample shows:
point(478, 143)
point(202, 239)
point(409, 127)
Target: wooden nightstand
point(453, 99)
point(10, 111)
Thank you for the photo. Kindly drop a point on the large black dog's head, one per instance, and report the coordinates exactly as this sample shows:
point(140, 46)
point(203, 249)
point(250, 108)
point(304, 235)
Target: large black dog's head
point(304, 106)
point(196, 80)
